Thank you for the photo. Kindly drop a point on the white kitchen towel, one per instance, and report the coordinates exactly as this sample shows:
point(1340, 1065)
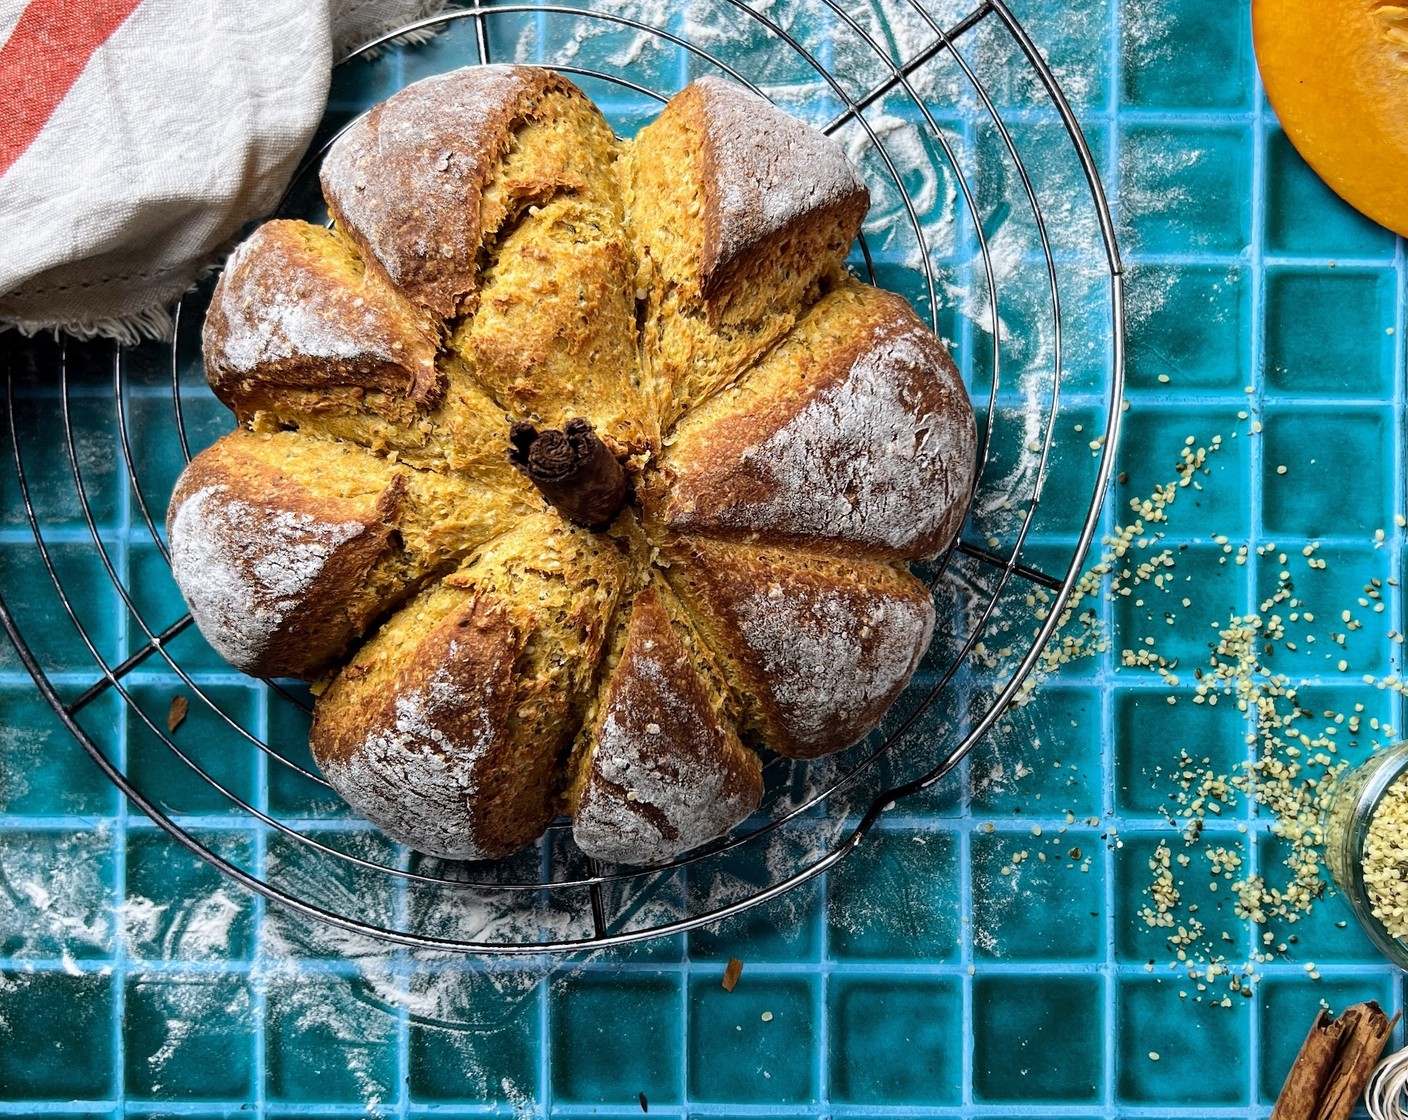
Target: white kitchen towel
point(137, 137)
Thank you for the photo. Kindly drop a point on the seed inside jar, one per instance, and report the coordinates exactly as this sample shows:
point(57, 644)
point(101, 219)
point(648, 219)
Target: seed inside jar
point(1386, 860)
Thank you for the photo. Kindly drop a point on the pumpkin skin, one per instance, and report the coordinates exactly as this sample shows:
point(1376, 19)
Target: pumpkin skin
point(1337, 76)
point(486, 662)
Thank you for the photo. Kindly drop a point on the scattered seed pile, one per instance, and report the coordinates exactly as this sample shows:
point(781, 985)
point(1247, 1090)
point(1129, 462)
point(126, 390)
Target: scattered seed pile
point(1294, 749)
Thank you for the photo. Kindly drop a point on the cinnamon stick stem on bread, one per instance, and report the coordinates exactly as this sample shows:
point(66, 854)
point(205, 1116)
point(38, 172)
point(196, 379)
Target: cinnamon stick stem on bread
point(575, 471)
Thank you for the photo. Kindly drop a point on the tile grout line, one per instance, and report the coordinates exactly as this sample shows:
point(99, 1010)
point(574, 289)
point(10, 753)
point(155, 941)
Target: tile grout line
point(1255, 513)
point(542, 1066)
point(968, 337)
point(1104, 684)
point(965, 959)
point(259, 852)
point(1396, 552)
point(402, 971)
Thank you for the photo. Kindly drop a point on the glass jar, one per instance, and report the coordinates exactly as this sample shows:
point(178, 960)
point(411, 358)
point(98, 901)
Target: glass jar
point(1353, 805)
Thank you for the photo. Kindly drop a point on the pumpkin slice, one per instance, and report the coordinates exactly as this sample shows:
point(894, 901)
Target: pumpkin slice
point(1337, 76)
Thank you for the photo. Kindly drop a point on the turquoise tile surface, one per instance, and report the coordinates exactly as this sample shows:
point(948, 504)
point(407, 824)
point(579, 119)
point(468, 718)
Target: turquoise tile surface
point(1302, 303)
point(1168, 1049)
point(614, 1036)
point(895, 1040)
point(943, 968)
point(59, 1037)
point(1199, 337)
point(211, 1062)
point(743, 1045)
point(1037, 1038)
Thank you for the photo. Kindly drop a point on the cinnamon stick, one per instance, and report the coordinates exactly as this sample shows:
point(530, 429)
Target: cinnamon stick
point(573, 469)
point(1329, 1074)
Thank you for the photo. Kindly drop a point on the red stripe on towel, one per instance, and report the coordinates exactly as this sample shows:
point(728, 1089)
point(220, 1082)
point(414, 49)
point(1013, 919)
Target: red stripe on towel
point(44, 55)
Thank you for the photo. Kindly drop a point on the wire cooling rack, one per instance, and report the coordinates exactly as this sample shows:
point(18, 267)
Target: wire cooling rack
point(988, 215)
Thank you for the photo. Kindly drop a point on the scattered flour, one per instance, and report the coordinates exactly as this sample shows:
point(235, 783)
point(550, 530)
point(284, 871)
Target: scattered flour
point(23, 749)
point(201, 928)
point(918, 176)
point(54, 895)
point(1153, 180)
point(1147, 30)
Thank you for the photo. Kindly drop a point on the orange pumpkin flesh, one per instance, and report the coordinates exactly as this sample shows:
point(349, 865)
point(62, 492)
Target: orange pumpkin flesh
point(1336, 72)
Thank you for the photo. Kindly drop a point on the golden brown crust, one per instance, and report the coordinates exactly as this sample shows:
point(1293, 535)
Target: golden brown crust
point(554, 333)
point(740, 215)
point(666, 770)
point(855, 435)
point(774, 188)
point(295, 310)
point(764, 192)
point(408, 181)
point(282, 568)
point(415, 731)
point(450, 728)
point(817, 648)
point(498, 256)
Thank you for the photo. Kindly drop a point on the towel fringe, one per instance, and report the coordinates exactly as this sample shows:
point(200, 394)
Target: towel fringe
point(155, 323)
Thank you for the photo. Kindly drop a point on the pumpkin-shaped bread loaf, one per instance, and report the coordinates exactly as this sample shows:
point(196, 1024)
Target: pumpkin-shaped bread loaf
point(577, 468)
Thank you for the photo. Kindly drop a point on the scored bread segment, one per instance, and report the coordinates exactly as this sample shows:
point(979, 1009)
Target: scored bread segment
point(429, 176)
point(449, 728)
point(301, 335)
point(817, 647)
point(296, 314)
point(854, 434)
point(285, 550)
point(554, 336)
point(662, 769)
point(739, 213)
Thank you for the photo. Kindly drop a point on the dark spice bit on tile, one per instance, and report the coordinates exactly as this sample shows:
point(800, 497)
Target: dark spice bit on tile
point(177, 714)
point(732, 973)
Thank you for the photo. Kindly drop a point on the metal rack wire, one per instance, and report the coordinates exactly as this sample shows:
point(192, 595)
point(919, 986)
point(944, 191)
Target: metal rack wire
point(998, 592)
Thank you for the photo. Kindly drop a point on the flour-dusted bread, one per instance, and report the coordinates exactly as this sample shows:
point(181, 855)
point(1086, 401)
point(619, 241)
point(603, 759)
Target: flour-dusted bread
point(578, 469)
point(849, 437)
point(662, 767)
point(739, 213)
point(449, 728)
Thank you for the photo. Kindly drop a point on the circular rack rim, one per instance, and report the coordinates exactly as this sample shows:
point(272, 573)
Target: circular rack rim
point(898, 77)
